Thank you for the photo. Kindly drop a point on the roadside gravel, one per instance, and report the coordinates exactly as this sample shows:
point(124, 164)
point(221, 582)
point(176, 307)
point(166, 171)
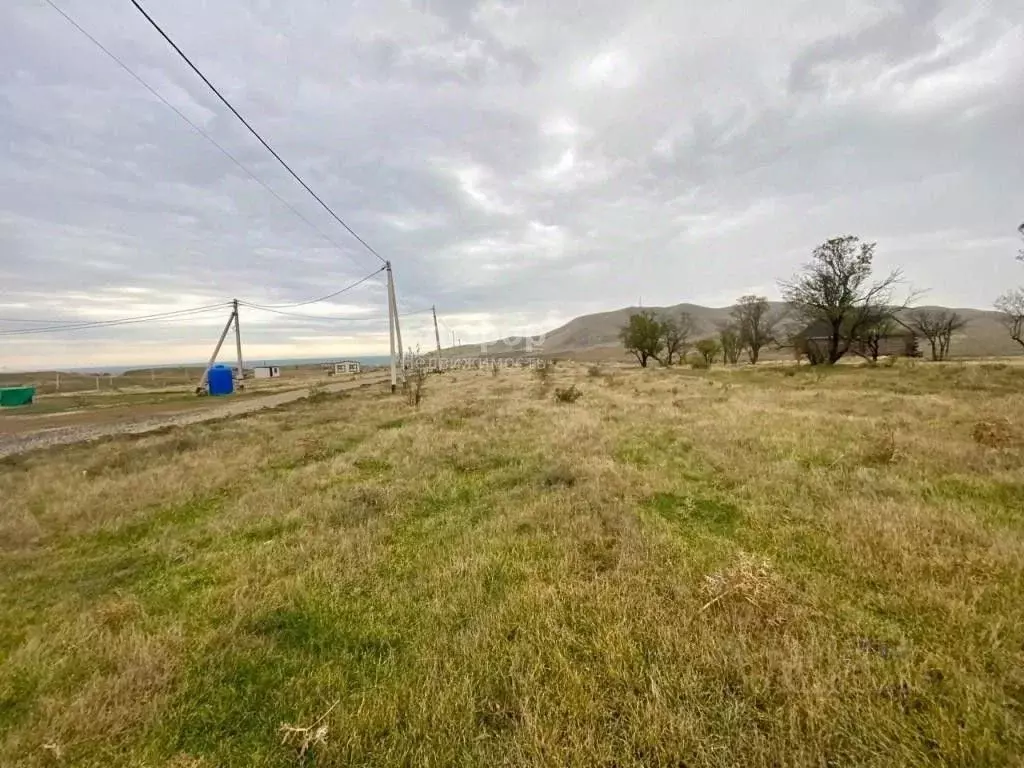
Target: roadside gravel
point(47, 438)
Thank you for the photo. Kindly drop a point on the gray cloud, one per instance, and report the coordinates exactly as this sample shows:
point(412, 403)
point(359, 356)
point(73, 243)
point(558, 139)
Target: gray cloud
point(519, 162)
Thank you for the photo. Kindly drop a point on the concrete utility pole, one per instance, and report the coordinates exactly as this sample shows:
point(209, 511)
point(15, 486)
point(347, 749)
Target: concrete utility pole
point(393, 302)
point(216, 350)
point(238, 342)
point(437, 337)
point(391, 328)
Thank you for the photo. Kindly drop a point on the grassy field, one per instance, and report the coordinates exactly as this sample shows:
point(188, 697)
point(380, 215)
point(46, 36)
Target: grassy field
point(750, 567)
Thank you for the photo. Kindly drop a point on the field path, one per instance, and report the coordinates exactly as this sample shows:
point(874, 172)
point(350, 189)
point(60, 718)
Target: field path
point(52, 436)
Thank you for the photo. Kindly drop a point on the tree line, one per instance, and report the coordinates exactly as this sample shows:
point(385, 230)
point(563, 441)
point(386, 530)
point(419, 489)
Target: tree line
point(833, 307)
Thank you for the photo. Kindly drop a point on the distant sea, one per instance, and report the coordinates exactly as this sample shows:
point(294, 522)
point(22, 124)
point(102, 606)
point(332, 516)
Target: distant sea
point(249, 362)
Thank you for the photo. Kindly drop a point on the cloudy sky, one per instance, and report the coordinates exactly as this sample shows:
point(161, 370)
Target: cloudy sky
point(519, 161)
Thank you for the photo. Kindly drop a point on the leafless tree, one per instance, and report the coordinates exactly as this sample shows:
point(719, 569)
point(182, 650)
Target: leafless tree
point(756, 324)
point(868, 341)
point(675, 336)
point(1011, 306)
point(936, 325)
point(729, 341)
point(836, 289)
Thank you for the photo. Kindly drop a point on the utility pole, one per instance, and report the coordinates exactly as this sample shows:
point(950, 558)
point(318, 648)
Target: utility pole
point(396, 325)
point(216, 351)
point(238, 341)
point(391, 329)
point(437, 337)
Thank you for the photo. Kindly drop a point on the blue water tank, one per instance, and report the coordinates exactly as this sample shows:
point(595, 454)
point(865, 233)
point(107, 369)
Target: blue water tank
point(220, 381)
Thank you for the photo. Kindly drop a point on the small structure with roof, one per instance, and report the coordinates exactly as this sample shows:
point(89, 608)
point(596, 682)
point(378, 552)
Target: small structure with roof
point(898, 341)
point(347, 366)
point(266, 372)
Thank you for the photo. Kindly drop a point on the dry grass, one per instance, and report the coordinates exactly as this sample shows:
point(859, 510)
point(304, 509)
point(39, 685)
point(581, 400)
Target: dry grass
point(747, 567)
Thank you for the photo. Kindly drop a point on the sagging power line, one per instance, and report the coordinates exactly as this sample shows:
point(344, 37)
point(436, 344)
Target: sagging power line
point(253, 131)
point(117, 60)
point(329, 296)
point(87, 324)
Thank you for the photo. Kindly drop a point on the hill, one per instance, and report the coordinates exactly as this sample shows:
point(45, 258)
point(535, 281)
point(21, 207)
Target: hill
point(596, 336)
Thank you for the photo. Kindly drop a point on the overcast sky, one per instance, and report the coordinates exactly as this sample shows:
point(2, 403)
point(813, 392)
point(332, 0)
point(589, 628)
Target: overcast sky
point(520, 162)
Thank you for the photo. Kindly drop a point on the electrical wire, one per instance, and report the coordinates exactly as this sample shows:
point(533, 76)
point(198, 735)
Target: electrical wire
point(308, 317)
point(253, 131)
point(346, 289)
point(198, 129)
point(87, 324)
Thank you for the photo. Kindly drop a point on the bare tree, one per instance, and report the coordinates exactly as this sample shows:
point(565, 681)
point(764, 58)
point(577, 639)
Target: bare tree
point(936, 325)
point(836, 291)
point(675, 337)
point(756, 324)
point(874, 331)
point(642, 336)
point(1011, 306)
point(730, 344)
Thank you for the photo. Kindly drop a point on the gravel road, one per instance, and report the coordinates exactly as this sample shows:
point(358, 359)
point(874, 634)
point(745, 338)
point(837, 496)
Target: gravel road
point(46, 438)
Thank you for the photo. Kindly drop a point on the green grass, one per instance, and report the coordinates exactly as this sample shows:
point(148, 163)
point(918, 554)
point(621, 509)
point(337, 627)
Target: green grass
point(702, 569)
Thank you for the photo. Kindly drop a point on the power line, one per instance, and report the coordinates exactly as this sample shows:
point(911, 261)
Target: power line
point(253, 130)
point(346, 289)
point(85, 324)
point(197, 128)
point(307, 317)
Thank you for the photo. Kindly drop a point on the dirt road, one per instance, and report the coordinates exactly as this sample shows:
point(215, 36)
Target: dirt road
point(48, 437)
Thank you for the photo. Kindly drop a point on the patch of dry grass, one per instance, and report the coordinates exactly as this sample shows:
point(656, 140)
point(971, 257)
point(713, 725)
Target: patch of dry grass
point(735, 567)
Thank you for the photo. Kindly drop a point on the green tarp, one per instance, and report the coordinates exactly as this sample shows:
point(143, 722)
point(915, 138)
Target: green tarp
point(12, 396)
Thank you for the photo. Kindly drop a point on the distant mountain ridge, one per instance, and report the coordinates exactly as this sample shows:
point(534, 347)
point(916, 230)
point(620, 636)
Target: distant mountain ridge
point(596, 336)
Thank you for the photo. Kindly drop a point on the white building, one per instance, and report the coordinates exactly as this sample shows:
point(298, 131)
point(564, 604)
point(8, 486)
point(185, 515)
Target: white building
point(347, 366)
point(266, 372)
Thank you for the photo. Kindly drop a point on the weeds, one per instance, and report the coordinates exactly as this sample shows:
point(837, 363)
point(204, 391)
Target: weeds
point(568, 395)
point(413, 386)
point(998, 433)
point(881, 449)
point(305, 739)
point(750, 580)
point(317, 394)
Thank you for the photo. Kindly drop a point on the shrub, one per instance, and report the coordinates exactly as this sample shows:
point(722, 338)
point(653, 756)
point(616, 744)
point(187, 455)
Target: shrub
point(994, 434)
point(317, 394)
point(569, 395)
point(413, 386)
point(559, 475)
point(880, 449)
point(594, 372)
